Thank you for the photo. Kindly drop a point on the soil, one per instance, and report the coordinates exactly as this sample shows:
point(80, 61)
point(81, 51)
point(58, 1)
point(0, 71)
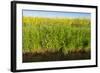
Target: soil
point(56, 56)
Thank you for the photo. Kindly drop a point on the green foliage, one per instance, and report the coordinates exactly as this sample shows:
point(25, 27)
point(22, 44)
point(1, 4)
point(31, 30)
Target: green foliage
point(53, 34)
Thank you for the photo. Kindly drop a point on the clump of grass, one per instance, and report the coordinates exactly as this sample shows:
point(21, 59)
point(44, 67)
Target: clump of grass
point(54, 34)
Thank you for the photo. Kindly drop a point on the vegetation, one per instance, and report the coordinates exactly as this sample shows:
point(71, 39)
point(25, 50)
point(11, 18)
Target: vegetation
point(41, 35)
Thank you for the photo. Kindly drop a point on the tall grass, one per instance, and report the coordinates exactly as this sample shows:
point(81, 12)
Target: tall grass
point(52, 34)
